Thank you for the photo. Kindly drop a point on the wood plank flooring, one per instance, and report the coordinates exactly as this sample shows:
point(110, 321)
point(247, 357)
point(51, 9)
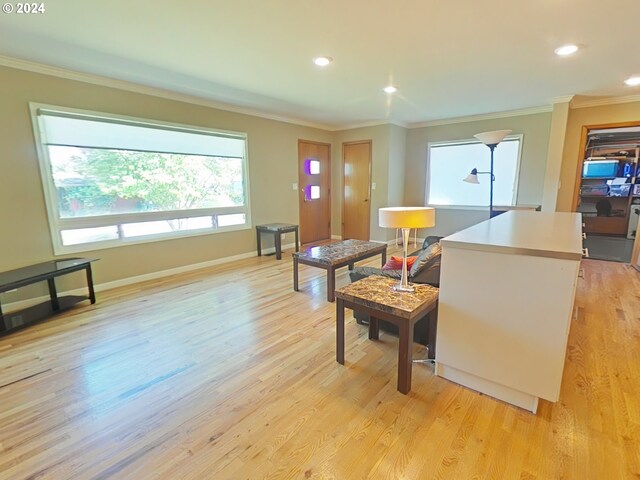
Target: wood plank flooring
point(226, 373)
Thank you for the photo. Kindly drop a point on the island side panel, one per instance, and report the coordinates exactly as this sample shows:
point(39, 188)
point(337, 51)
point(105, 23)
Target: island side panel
point(505, 318)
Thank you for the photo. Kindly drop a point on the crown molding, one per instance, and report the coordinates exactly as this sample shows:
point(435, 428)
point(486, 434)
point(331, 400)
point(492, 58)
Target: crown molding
point(599, 102)
point(562, 99)
point(484, 116)
point(373, 123)
point(93, 79)
point(44, 69)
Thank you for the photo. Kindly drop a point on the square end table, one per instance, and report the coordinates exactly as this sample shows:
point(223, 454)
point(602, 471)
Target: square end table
point(375, 296)
point(276, 229)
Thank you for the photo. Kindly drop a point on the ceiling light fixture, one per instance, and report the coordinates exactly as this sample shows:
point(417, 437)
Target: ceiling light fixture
point(322, 61)
point(633, 81)
point(566, 50)
point(390, 89)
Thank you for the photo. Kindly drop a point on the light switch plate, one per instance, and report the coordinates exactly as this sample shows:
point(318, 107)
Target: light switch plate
point(374, 185)
point(294, 186)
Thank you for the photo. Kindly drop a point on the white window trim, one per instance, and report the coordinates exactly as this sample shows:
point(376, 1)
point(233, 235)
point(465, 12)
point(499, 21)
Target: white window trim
point(514, 199)
point(57, 224)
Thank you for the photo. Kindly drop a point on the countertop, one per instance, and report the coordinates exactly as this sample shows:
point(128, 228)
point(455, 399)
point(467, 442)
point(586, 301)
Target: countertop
point(543, 234)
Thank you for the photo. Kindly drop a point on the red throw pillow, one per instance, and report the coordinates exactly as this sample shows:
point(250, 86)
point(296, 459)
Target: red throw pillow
point(395, 263)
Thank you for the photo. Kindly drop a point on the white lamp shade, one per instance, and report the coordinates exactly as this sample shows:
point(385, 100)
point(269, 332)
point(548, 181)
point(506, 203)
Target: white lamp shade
point(492, 138)
point(472, 177)
point(407, 217)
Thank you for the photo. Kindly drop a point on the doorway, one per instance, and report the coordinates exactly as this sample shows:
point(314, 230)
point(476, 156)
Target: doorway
point(314, 186)
point(606, 193)
point(356, 193)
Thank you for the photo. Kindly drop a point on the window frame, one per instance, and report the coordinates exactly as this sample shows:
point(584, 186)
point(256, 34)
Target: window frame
point(514, 199)
point(57, 224)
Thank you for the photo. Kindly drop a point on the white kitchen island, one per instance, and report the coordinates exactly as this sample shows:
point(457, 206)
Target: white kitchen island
point(506, 301)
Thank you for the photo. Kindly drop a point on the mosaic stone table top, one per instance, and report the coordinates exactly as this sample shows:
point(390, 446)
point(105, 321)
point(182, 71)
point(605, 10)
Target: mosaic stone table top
point(377, 292)
point(276, 227)
point(339, 252)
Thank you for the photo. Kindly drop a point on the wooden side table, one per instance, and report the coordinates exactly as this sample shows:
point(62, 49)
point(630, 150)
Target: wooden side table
point(276, 229)
point(375, 296)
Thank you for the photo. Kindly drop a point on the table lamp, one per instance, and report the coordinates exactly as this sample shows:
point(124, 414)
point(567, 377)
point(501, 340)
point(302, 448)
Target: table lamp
point(406, 218)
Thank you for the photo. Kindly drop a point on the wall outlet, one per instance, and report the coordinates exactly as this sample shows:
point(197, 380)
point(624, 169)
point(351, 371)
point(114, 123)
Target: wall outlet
point(294, 186)
point(374, 185)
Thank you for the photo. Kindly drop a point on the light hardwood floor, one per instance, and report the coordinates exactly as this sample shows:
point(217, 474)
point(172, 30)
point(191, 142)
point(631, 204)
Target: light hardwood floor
point(226, 373)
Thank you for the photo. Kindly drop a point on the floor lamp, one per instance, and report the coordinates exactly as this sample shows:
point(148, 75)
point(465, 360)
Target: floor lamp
point(491, 140)
point(406, 218)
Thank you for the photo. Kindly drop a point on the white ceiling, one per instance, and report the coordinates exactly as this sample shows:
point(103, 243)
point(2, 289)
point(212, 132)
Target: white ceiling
point(449, 58)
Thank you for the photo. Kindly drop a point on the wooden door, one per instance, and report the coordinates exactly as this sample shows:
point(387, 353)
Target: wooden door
point(314, 186)
point(356, 198)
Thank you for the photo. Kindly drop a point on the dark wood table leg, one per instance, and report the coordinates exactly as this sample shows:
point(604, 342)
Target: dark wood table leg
point(384, 256)
point(405, 360)
point(53, 294)
point(331, 284)
point(432, 332)
point(295, 274)
point(297, 243)
point(92, 292)
point(278, 242)
point(258, 238)
point(340, 331)
point(374, 328)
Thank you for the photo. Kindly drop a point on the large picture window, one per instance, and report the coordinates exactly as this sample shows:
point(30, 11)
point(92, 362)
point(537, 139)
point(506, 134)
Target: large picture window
point(449, 163)
point(113, 180)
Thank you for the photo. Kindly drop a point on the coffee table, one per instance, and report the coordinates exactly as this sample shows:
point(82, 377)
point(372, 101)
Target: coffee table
point(48, 271)
point(375, 296)
point(335, 255)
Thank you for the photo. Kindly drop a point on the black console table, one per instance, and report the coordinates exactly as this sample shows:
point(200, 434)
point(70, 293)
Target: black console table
point(38, 273)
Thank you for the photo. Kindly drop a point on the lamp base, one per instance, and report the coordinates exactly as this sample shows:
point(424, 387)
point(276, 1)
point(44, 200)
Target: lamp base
point(404, 288)
point(403, 285)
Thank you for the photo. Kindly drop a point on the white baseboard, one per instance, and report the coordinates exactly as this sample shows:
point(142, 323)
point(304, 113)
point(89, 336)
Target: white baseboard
point(419, 242)
point(101, 287)
point(488, 387)
point(265, 251)
point(388, 242)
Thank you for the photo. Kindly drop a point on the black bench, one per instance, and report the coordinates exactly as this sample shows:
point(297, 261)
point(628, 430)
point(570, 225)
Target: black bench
point(48, 271)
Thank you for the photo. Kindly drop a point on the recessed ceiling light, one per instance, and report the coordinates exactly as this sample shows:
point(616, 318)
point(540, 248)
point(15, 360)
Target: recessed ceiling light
point(566, 50)
point(633, 81)
point(322, 61)
point(390, 89)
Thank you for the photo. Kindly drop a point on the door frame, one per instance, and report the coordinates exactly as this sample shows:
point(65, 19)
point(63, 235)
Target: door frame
point(356, 142)
point(300, 190)
point(578, 180)
point(583, 150)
